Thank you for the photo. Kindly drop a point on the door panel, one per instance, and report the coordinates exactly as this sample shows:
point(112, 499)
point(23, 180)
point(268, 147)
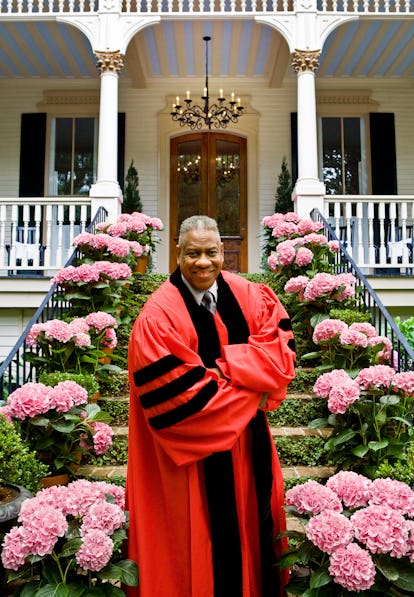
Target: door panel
point(208, 176)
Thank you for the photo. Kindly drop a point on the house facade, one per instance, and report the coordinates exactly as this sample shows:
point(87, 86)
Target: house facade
point(88, 87)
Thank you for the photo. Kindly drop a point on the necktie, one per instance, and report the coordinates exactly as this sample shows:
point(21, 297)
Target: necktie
point(208, 302)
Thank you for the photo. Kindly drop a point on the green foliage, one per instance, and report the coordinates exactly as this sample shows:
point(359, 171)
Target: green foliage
point(116, 384)
point(18, 464)
point(304, 380)
point(350, 316)
point(295, 412)
point(401, 469)
point(86, 380)
point(305, 451)
point(407, 328)
point(117, 409)
point(132, 199)
point(283, 196)
point(116, 455)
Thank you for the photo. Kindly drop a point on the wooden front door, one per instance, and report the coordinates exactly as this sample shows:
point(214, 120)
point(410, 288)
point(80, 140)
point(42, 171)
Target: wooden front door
point(208, 176)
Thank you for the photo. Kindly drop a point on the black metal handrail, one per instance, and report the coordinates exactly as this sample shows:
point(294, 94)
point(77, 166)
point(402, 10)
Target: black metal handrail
point(15, 370)
point(368, 300)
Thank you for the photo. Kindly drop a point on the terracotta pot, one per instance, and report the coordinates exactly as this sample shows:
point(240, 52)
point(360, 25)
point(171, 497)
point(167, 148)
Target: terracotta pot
point(62, 479)
point(142, 264)
point(107, 359)
point(94, 399)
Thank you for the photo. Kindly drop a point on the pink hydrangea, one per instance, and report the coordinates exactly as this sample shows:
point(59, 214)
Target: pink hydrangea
point(385, 355)
point(82, 340)
point(35, 330)
point(103, 516)
point(307, 226)
point(410, 542)
point(59, 330)
point(352, 568)
point(297, 286)
point(353, 490)
point(315, 239)
point(381, 529)
point(285, 253)
point(273, 262)
point(329, 530)
point(47, 524)
point(78, 394)
point(393, 493)
point(102, 437)
point(353, 338)
point(30, 400)
point(322, 284)
point(327, 381)
point(404, 381)
point(364, 327)
point(313, 497)
point(79, 326)
point(328, 329)
point(17, 546)
point(109, 339)
point(100, 320)
point(303, 257)
point(95, 551)
point(284, 229)
point(333, 246)
point(4, 412)
point(341, 397)
point(376, 376)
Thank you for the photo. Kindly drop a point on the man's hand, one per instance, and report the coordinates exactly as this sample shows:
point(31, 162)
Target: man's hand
point(263, 399)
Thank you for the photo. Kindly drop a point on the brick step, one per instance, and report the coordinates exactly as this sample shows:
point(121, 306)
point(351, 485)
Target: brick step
point(293, 432)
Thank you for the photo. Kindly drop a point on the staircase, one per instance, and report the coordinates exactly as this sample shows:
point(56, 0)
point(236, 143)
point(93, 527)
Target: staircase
point(117, 472)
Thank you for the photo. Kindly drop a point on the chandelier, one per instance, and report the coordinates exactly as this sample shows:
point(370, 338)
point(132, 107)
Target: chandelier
point(216, 115)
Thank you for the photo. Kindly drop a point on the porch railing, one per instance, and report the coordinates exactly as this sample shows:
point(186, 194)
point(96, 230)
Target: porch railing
point(36, 234)
point(16, 370)
point(377, 230)
point(368, 300)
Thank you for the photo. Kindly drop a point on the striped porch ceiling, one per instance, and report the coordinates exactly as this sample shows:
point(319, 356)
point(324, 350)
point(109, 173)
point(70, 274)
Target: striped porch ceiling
point(239, 49)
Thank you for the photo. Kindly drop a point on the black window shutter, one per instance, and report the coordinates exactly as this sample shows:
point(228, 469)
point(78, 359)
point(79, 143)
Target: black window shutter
point(383, 154)
point(121, 150)
point(294, 145)
point(32, 155)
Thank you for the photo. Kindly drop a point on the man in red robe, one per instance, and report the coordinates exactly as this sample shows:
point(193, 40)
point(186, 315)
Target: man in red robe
point(204, 484)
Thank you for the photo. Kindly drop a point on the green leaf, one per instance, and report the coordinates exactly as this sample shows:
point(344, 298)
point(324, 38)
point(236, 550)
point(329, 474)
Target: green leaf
point(375, 446)
point(312, 355)
point(53, 591)
point(320, 578)
point(390, 399)
point(315, 319)
point(70, 547)
point(126, 571)
point(343, 437)
point(318, 423)
point(360, 450)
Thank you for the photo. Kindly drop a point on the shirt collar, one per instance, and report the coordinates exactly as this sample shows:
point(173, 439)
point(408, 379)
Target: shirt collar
point(198, 294)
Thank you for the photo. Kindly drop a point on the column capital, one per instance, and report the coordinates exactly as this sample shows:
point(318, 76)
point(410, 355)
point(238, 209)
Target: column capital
point(109, 62)
point(305, 60)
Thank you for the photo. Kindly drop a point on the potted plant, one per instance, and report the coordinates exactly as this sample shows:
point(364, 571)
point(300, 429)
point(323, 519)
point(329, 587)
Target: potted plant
point(58, 424)
point(132, 199)
point(69, 542)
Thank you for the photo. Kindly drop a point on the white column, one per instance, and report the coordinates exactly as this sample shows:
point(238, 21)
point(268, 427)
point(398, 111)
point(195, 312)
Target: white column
point(106, 191)
point(309, 190)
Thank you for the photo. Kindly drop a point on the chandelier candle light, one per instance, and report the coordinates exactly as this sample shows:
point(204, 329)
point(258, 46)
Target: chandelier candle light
point(217, 115)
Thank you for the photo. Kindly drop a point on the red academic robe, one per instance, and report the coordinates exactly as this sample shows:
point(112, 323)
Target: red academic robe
point(169, 535)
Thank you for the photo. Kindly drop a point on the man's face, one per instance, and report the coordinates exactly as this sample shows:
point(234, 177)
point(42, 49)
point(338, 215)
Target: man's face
point(200, 258)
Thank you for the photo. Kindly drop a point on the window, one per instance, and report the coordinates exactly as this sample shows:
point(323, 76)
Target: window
point(343, 155)
point(73, 153)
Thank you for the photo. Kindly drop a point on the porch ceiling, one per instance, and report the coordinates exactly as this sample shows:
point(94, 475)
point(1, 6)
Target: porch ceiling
point(239, 49)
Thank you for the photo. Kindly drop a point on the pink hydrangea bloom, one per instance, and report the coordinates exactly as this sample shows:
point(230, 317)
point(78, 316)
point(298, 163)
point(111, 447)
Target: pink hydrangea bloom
point(47, 524)
point(273, 262)
point(4, 412)
point(353, 490)
point(410, 542)
point(352, 568)
point(297, 286)
point(56, 329)
point(364, 327)
point(353, 338)
point(327, 381)
point(341, 397)
point(283, 229)
point(137, 249)
point(102, 437)
point(328, 329)
point(109, 339)
point(100, 320)
point(315, 239)
point(392, 493)
point(333, 246)
point(35, 330)
point(381, 529)
point(30, 400)
point(82, 340)
point(376, 376)
point(78, 394)
point(329, 530)
point(95, 551)
point(79, 326)
point(285, 253)
point(313, 497)
point(103, 516)
point(404, 381)
point(17, 545)
point(307, 226)
point(303, 257)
